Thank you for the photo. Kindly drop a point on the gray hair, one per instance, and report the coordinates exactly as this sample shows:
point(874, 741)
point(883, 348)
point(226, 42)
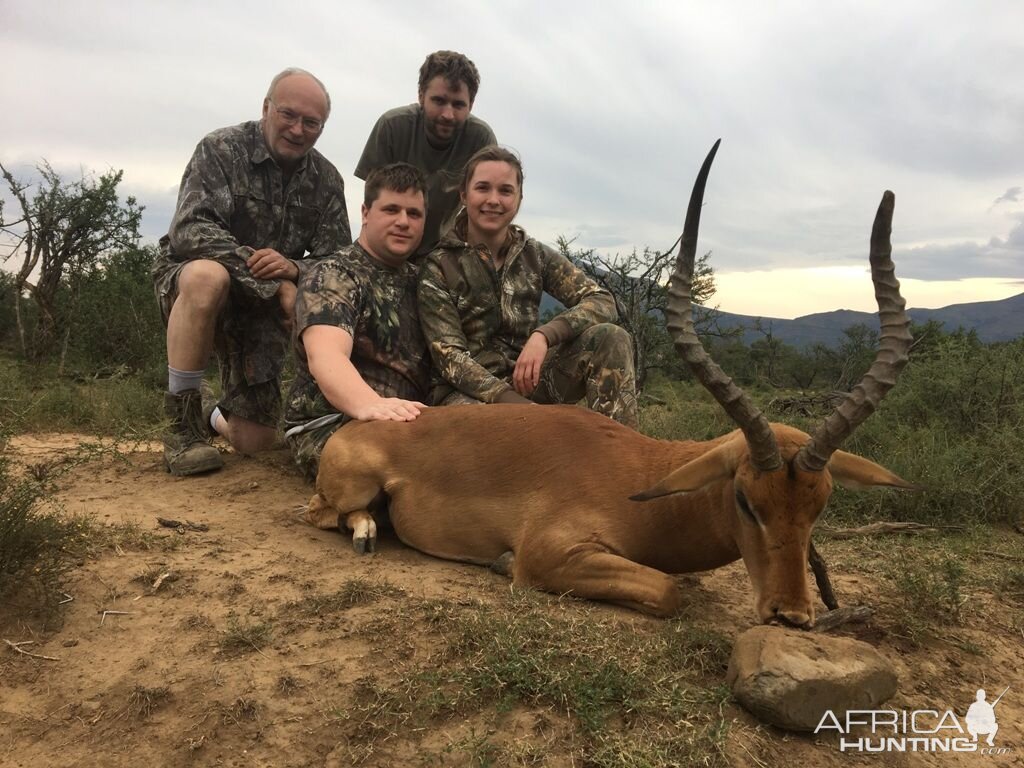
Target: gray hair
point(298, 71)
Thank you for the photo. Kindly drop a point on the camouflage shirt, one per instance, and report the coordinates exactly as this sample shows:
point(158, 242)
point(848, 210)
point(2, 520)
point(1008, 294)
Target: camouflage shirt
point(376, 305)
point(234, 200)
point(476, 319)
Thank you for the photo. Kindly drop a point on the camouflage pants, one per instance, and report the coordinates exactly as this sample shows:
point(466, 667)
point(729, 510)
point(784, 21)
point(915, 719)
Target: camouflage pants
point(260, 403)
point(596, 366)
point(307, 446)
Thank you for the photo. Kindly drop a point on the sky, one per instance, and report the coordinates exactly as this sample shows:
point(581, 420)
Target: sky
point(612, 107)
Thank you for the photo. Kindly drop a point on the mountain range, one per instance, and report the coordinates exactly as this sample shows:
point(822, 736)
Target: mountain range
point(1001, 320)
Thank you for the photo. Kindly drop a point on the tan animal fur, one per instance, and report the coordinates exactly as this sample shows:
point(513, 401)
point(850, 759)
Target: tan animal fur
point(552, 485)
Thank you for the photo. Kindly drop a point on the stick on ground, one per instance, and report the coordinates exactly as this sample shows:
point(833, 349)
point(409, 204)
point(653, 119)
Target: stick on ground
point(180, 527)
point(828, 595)
point(840, 616)
point(17, 647)
point(875, 529)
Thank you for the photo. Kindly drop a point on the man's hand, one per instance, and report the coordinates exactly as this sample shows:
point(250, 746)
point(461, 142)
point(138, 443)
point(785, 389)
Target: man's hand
point(529, 363)
point(388, 409)
point(268, 264)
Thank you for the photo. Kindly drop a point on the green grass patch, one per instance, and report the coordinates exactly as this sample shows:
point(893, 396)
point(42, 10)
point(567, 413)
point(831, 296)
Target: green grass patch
point(38, 544)
point(33, 398)
point(243, 636)
point(930, 594)
point(352, 592)
point(626, 690)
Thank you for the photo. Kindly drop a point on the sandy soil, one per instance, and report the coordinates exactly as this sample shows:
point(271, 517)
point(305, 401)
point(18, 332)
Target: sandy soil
point(283, 704)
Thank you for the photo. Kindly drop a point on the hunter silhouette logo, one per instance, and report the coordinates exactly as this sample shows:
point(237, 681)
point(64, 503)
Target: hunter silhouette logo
point(981, 717)
point(918, 730)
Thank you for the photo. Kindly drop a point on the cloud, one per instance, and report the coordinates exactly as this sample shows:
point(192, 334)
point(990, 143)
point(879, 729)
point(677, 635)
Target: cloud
point(1012, 195)
point(999, 257)
point(612, 118)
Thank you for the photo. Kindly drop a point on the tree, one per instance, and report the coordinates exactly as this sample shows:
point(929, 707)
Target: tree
point(118, 325)
point(855, 355)
point(639, 284)
point(64, 231)
point(767, 353)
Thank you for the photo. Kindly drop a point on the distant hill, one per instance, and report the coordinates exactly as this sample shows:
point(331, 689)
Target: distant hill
point(993, 320)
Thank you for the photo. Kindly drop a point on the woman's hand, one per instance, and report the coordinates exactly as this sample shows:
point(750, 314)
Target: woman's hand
point(526, 375)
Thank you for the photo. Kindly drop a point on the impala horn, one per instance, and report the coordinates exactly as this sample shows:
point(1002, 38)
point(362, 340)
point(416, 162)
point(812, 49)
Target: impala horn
point(893, 350)
point(764, 451)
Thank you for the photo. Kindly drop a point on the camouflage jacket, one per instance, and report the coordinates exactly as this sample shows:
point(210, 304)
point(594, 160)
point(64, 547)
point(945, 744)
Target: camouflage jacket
point(376, 305)
point(476, 319)
point(233, 200)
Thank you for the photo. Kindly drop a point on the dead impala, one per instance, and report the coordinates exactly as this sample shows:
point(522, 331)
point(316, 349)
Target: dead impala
point(554, 492)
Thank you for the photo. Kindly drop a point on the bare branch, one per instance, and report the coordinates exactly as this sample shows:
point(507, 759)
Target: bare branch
point(17, 647)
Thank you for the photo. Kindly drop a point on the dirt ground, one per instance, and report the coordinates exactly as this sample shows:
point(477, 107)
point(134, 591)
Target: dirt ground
point(143, 676)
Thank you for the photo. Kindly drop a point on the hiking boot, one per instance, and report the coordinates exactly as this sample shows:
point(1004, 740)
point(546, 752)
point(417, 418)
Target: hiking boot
point(187, 450)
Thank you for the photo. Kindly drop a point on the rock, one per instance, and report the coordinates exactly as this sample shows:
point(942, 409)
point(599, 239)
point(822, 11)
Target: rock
point(789, 678)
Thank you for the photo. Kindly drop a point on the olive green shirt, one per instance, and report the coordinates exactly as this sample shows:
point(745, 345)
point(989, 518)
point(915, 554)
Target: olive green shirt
point(400, 136)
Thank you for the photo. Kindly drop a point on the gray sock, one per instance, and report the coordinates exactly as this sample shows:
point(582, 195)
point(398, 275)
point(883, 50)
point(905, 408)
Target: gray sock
point(181, 381)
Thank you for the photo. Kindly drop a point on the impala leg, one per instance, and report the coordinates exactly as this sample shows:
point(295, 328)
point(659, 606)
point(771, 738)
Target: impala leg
point(321, 514)
point(364, 531)
point(325, 516)
point(597, 574)
point(505, 565)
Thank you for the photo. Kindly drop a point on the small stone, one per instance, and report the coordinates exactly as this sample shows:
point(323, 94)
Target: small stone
point(69, 643)
point(790, 679)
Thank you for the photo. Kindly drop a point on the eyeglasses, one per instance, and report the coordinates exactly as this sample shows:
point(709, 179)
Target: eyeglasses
point(290, 118)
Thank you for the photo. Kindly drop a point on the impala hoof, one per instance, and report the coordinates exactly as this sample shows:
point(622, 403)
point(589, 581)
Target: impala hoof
point(503, 565)
point(364, 531)
point(364, 544)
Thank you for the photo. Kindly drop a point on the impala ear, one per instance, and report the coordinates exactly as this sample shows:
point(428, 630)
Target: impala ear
point(856, 472)
point(716, 464)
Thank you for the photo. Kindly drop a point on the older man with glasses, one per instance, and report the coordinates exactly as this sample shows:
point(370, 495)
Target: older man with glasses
point(257, 206)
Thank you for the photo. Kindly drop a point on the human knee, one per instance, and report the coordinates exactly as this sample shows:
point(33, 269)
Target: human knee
point(613, 346)
point(248, 444)
point(204, 284)
point(248, 437)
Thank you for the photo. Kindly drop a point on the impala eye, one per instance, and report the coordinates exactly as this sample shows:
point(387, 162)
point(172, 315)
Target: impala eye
point(744, 507)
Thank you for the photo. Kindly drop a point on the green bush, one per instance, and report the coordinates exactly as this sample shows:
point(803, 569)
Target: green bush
point(116, 326)
point(953, 425)
point(8, 323)
point(682, 411)
point(36, 544)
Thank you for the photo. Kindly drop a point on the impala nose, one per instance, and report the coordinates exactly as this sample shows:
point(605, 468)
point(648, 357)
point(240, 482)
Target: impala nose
point(791, 618)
